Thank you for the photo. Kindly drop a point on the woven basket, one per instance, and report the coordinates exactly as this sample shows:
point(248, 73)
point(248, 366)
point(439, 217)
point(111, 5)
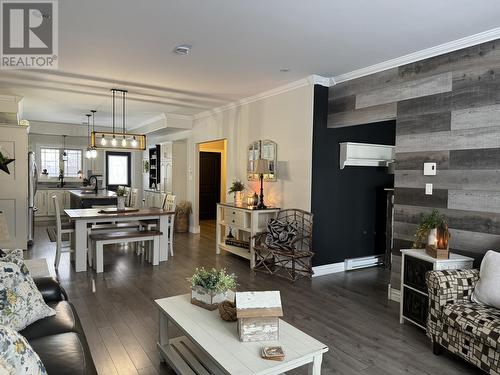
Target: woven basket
point(181, 224)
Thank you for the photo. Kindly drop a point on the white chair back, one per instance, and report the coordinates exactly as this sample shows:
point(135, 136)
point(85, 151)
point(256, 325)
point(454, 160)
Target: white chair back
point(57, 212)
point(163, 197)
point(169, 203)
point(134, 195)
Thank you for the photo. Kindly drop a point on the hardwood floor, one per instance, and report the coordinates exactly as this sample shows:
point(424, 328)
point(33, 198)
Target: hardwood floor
point(347, 311)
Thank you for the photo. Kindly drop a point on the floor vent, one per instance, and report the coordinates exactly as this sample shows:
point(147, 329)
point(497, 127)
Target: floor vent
point(356, 263)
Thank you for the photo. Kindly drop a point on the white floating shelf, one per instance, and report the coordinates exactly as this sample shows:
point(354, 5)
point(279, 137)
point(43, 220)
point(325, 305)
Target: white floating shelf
point(365, 155)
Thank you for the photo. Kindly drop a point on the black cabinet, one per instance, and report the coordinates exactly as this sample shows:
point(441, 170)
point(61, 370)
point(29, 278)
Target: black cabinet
point(415, 306)
point(414, 273)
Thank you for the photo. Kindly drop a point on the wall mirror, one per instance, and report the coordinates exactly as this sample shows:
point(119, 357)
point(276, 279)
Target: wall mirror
point(264, 149)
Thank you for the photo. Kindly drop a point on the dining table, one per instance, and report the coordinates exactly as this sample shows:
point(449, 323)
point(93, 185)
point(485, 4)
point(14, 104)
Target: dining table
point(82, 217)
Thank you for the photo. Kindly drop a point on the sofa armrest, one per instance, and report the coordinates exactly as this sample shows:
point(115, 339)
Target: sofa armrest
point(50, 288)
point(447, 287)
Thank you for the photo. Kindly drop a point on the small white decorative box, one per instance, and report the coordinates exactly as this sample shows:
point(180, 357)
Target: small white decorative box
point(206, 298)
point(258, 315)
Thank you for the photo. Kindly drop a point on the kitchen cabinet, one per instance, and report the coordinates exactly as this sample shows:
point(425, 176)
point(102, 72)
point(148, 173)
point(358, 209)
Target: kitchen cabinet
point(45, 205)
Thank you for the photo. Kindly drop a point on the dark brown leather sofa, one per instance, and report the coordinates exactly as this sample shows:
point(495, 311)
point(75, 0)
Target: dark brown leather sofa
point(59, 340)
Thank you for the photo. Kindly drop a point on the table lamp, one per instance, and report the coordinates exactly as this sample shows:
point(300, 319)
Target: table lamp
point(261, 168)
point(4, 231)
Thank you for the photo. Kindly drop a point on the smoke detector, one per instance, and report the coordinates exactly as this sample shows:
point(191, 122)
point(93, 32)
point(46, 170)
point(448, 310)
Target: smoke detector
point(182, 50)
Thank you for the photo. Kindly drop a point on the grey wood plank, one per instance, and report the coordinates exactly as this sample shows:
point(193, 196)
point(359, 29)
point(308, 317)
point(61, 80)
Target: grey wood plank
point(485, 180)
point(426, 104)
point(399, 244)
point(477, 88)
point(367, 83)
point(406, 90)
point(417, 197)
point(466, 58)
point(342, 104)
point(479, 159)
point(484, 201)
point(362, 116)
point(474, 242)
point(472, 221)
point(471, 118)
point(426, 123)
point(416, 160)
point(463, 139)
point(404, 231)
point(396, 271)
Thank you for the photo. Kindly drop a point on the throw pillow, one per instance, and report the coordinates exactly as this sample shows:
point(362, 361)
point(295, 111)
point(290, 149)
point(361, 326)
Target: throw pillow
point(281, 234)
point(16, 354)
point(21, 303)
point(487, 290)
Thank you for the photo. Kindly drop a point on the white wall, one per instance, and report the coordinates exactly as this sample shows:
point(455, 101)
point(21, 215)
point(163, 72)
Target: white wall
point(179, 169)
point(286, 118)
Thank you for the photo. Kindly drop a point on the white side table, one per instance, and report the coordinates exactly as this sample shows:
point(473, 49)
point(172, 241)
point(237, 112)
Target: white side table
point(415, 263)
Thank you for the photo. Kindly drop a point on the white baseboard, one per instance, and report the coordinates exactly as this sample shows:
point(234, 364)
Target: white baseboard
point(194, 229)
point(394, 294)
point(328, 269)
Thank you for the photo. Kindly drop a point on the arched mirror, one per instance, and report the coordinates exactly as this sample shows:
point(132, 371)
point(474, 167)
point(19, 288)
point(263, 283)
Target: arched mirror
point(264, 149)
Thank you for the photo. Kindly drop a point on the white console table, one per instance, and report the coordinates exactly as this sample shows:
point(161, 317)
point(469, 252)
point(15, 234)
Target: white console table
point(245, 223)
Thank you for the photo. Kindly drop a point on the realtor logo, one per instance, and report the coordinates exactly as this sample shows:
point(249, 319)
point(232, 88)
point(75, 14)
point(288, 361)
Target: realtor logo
point(29, 37)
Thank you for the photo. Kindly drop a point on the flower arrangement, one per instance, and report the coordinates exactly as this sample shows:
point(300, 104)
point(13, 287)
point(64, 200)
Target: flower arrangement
point(218, 281)
point(236, 187)
point(120, 191)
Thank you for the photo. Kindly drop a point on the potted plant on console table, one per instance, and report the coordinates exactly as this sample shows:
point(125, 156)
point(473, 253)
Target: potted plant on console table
point(236, 188)
point(433, 235)
point(210, 287)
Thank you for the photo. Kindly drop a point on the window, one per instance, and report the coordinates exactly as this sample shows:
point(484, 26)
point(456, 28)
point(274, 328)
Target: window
point(49, 160)
point(117, 169)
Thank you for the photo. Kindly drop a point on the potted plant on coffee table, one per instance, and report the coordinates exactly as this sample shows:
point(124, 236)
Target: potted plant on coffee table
point(120, 198)
point(210, 287)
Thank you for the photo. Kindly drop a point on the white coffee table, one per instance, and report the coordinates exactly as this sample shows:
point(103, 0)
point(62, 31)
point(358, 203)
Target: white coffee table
point(209, 345)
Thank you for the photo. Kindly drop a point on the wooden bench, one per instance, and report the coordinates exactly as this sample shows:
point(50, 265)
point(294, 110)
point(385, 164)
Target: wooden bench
point(100, 239)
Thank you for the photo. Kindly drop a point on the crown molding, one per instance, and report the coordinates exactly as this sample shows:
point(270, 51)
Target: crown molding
point(308, 81)
point(441, 49)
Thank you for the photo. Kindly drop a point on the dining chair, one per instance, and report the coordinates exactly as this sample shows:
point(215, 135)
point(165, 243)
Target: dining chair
point(61, 228)
point(134, 195)
point(127, 196)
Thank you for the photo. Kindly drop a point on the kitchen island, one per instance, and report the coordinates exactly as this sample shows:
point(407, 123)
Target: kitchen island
point(81, 199)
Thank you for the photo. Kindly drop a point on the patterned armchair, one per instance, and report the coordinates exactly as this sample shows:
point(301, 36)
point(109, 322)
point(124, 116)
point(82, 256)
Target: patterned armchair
point(285, 249)
point(467, 329)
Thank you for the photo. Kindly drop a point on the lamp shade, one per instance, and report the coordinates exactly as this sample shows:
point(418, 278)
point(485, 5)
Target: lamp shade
point(261, 166)
point(4, 230)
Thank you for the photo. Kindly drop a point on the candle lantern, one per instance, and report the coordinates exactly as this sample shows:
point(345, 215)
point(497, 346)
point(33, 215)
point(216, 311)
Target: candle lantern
point(440, 248)
point(443, 237)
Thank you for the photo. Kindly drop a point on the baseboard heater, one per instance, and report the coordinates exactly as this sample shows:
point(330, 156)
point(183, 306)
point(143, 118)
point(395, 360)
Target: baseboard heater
point(364, 262)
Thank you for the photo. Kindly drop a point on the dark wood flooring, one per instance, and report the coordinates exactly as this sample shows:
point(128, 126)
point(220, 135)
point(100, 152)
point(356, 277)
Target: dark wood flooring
point(347, 311)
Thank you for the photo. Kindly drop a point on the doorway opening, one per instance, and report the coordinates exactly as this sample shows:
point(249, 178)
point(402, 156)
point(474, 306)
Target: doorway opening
point(212, 181)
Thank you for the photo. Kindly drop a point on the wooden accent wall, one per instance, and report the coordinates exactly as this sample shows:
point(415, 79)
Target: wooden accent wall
point(447, 110)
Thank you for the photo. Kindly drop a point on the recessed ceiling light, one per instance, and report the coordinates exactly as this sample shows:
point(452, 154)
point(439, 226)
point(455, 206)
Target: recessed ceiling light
point(284, 70)
point(182, 50)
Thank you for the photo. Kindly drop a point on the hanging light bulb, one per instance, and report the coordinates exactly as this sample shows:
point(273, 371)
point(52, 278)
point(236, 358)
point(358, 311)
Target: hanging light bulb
point(124, 142)
point(93, 153)
point(87, 154)
point(134, 142)
point(103, 141)
point(113, 141)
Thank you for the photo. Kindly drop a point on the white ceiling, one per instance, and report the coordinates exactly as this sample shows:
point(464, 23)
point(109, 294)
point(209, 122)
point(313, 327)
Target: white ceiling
point(238, 49)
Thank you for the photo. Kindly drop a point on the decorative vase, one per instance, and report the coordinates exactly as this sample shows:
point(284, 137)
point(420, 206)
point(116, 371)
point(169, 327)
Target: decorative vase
point(432, 237)
point(238, 198)
point(208, 299)
point(120, 203)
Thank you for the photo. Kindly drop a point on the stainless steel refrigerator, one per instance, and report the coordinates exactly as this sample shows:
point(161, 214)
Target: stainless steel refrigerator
point(32, 185)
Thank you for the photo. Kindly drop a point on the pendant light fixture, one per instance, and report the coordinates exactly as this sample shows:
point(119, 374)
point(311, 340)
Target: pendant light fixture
point(135, 142)
point(93, 151)
point(88, 153)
